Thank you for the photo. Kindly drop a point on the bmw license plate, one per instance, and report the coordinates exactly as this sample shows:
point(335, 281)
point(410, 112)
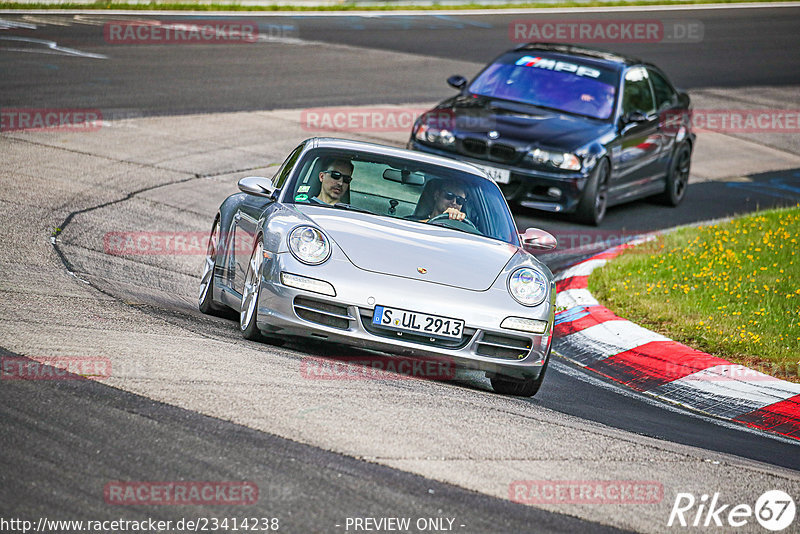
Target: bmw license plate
point(500, 176)
point(417, 323)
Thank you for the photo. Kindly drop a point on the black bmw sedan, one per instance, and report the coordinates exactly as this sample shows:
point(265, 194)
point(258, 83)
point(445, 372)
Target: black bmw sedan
point(567, 129)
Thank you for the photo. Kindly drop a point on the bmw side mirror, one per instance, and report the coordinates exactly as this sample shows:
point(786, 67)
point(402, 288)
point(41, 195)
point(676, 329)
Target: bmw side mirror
point(536, 239)
point(257, 185)
point(633, 117)
point(457, 81)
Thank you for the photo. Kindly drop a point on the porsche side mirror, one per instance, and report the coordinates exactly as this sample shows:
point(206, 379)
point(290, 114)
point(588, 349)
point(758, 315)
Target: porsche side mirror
point(257, 185)
point(457, 81)
point(536, 239)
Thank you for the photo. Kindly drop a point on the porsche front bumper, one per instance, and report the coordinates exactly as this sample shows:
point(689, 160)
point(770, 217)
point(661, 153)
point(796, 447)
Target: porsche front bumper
point(346, 317)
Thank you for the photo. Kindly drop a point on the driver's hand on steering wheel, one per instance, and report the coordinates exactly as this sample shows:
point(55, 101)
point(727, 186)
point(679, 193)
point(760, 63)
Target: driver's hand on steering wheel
point(454, 213)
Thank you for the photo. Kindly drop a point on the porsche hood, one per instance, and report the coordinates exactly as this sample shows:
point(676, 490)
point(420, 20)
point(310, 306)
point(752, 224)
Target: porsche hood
point(411, 250)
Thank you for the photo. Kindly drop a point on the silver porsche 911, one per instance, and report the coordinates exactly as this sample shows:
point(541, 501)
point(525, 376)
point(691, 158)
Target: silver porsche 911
point(385, 249)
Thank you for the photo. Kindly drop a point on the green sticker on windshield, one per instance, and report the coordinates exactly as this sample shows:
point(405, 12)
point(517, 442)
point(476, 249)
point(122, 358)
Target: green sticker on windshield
point(301, 197)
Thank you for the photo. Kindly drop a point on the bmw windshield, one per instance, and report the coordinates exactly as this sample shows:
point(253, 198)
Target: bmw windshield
point(559, 84)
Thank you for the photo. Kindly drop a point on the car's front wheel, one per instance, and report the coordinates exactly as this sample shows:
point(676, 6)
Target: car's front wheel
point(678, 176)
point(593, 203)
point(248, 313)
point(520, 387)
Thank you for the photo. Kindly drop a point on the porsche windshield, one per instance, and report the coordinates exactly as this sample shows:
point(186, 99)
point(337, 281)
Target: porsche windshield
point(402, 188)
point(560, 84)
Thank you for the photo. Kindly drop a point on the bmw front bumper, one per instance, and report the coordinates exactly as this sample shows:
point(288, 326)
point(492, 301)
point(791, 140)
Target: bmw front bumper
point(532, 188)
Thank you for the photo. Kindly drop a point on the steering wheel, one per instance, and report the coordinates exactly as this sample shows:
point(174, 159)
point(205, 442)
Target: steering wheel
point(464, 224)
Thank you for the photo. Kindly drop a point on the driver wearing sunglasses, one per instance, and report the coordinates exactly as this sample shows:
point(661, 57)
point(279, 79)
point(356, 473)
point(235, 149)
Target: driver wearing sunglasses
point(335, 180)
point(450, 200)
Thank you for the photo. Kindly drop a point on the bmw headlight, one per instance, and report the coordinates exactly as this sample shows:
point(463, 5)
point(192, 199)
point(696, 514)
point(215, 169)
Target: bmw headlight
point(528, 286)
point(421, 132)
point(430, 134)
point(562, 160)
point(446, 138)
point(309, 245)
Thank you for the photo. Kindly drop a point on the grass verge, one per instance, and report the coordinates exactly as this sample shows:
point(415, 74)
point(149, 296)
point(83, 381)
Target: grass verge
point(730, 289)
point(348, 5)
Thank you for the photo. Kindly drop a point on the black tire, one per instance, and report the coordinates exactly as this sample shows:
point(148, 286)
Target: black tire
point(206, 299)
point(594, 202)
point(248, 311)
point(678, 176)
point(520, 387)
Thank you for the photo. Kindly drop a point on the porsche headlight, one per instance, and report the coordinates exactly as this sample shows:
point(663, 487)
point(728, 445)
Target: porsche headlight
point(309, 245)
point(528, 286)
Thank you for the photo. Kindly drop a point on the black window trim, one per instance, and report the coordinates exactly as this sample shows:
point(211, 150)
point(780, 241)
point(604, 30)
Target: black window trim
point(277, 181)
point(623, 83)
point(663, 76)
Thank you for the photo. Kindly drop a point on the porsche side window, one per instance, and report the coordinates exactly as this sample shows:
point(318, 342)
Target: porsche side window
point(286, 169)
point(665, 94)
point(637, 95)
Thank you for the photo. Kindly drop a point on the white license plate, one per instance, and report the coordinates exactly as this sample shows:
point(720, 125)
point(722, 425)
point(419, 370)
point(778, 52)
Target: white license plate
point(500, 176)
point(419, 323)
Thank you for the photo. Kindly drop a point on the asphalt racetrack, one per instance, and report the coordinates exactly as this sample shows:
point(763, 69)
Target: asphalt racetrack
point(190, 400)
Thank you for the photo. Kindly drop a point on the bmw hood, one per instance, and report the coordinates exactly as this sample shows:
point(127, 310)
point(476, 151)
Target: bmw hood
point(412, 250)
point(524, 124)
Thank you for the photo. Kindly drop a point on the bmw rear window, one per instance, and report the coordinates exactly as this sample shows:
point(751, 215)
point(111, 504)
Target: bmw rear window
point(563, 84)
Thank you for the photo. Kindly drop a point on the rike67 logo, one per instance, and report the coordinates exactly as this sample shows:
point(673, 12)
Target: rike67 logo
point(774, 510)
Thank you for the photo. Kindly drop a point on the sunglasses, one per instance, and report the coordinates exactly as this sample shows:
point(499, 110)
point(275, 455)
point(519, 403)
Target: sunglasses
point(336, 175)
point(452, 196)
